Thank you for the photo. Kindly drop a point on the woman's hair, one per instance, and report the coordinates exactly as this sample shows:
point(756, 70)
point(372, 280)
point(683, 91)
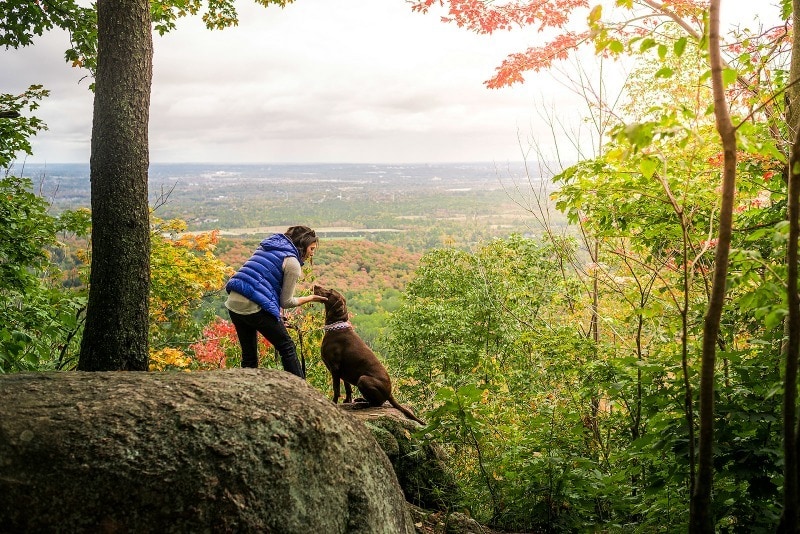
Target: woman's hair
point(302, 237)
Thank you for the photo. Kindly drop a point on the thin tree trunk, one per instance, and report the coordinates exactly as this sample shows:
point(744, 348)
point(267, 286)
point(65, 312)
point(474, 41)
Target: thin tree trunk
point(688, 399)
point(688, 396)
point(701, 516)
point(594, 328)
point(789, 520)
point(116, 334)
point(793, 91)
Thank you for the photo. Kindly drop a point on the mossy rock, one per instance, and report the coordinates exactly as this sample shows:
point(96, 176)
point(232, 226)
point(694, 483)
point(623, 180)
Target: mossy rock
point(420, 465)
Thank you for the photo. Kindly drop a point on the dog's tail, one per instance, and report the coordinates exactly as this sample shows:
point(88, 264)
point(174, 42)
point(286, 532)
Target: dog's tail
point(408, 413)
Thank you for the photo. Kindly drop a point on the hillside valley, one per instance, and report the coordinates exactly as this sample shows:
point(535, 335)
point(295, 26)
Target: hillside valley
point(413, 206)
point(374, 221)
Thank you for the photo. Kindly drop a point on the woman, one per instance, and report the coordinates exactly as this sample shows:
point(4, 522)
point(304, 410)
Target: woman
point(264, 285)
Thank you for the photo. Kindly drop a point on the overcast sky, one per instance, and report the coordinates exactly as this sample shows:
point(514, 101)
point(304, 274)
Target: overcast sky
point(360, 81)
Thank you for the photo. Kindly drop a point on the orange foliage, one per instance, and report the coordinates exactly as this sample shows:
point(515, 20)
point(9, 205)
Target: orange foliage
point(204, 242)
point(358, 265)
point(510, 71)
point(344, 264)
point(236, 251)
point(486, 17)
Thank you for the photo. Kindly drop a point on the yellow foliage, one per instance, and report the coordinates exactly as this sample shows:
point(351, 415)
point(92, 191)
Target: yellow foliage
point(183, 271)
point(168, 358)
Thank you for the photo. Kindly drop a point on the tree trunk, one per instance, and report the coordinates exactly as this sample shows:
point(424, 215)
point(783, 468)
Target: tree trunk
point(116, 334)
point(701, 515)
point(789, 520)
point(793, 91)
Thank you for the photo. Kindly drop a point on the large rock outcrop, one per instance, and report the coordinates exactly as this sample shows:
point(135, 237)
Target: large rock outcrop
point(420, 465)
point(222, 451)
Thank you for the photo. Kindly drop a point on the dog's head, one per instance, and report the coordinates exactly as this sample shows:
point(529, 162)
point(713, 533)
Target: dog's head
point(335, 306)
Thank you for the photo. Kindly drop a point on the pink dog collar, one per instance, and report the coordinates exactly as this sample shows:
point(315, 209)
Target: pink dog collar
point(341, 325)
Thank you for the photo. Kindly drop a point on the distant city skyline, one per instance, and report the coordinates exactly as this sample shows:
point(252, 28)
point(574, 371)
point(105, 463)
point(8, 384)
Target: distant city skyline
point(359, 81)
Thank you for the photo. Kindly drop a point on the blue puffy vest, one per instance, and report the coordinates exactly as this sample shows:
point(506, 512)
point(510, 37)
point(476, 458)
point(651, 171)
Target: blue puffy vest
point(261, 277)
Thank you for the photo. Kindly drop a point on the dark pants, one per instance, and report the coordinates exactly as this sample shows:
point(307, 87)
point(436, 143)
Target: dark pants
point(247, 329)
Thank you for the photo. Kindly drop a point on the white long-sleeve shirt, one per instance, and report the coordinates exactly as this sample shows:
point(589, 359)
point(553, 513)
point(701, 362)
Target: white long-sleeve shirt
point(292, 270)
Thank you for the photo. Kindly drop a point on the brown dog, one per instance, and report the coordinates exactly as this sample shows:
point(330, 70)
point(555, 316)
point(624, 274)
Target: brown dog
point(349, 359)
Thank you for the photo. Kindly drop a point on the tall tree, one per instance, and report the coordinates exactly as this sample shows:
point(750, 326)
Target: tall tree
point(115, 337)
point(701, 516)
point(790, 521)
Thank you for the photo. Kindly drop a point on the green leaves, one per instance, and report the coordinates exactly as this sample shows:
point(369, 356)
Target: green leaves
point(637, 134)
point(648, 166)
point(646, 44)
point(728, 76)
point(486, 339)
point(679, 47)
point(25, 229)
point(15, 133)
point(23, 21)
point(216, 14)
point(664, 72)
point(40, 319)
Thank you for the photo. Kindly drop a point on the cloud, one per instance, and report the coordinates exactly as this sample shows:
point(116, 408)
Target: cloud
point(321, 80)
point(317, 81)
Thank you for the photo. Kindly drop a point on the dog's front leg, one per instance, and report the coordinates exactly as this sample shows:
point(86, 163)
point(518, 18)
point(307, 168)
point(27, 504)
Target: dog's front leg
point(348, 393)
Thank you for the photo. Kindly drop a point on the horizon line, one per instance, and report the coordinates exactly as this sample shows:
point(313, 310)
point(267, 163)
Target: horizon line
point(449, 162)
